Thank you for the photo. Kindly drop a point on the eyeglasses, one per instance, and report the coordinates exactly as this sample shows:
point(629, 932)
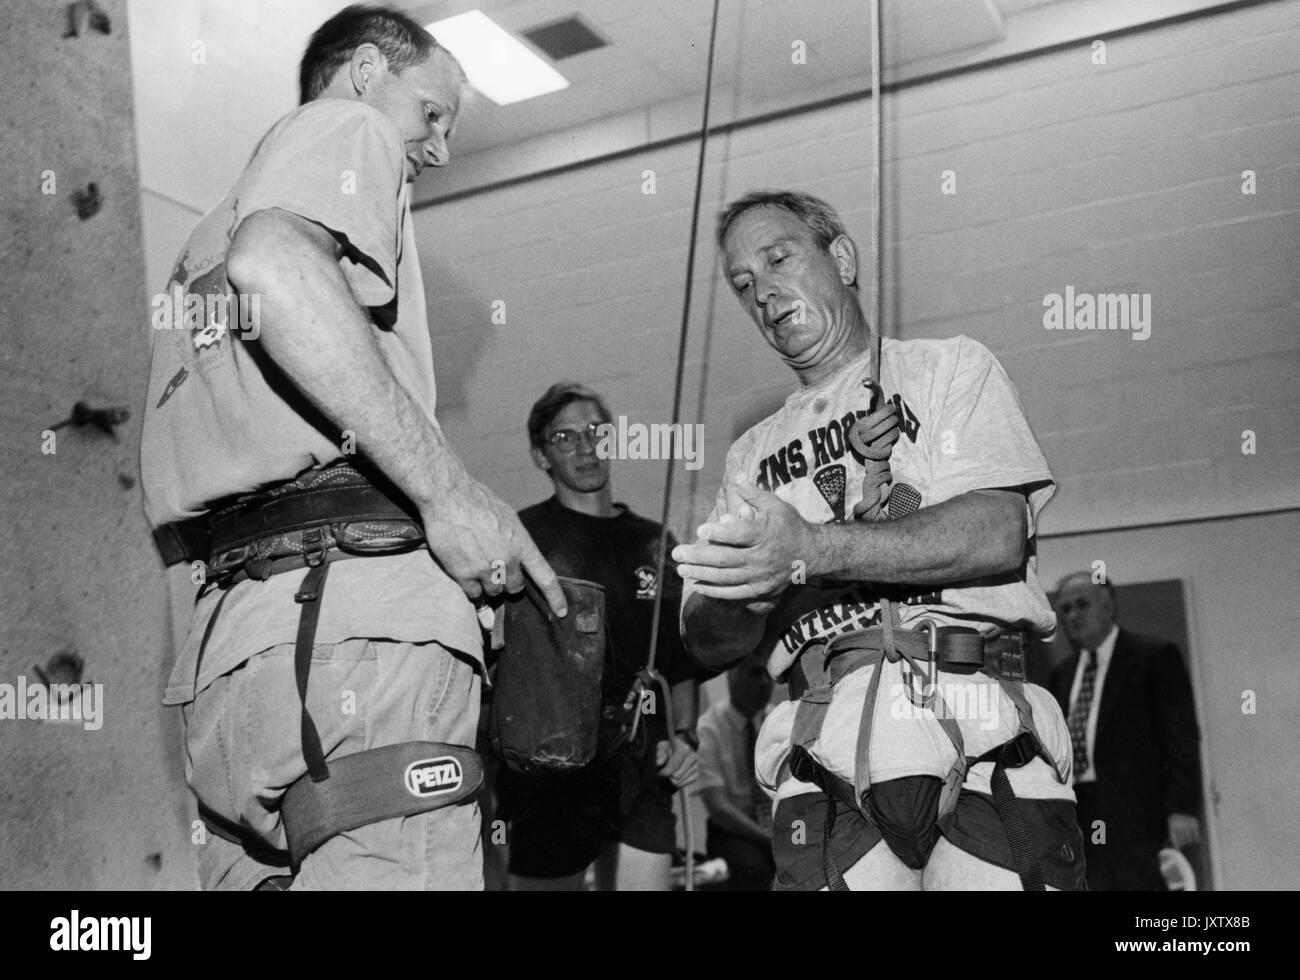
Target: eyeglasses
point(567, 440)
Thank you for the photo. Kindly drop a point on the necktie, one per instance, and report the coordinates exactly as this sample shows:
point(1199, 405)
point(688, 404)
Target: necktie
point(1078, 721)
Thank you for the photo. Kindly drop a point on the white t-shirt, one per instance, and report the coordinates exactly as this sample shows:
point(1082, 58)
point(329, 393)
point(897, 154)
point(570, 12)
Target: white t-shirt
point(963, 429)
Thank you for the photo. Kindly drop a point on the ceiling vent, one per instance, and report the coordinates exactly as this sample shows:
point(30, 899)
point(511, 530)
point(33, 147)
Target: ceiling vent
point(564, 38)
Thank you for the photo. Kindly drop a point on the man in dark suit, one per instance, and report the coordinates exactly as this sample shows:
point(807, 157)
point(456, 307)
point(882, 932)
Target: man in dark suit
point(1128, 702)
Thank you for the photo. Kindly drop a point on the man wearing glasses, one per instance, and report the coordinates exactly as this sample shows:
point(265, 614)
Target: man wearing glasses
point(616, 812)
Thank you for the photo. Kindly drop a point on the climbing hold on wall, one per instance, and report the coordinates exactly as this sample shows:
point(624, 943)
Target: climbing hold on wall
point(84, 15)
point(65, 667)
point(87, 201)
point(101, 418)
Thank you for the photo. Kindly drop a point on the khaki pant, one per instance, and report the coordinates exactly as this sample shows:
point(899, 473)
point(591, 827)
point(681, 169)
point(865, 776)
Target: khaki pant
point(242, 737)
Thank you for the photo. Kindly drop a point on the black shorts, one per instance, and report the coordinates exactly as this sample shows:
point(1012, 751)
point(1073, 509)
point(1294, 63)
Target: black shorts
point(973, 826)
point(559, 824)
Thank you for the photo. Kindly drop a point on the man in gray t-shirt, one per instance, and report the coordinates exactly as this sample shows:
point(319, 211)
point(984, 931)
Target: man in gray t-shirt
point(298, 336)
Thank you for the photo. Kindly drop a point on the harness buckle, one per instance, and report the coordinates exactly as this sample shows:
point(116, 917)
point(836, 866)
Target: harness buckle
point(315, 548)
point(932, 628)
point(801, 765)
point(1020, 751)
point(314, 545)
point(1012, 664)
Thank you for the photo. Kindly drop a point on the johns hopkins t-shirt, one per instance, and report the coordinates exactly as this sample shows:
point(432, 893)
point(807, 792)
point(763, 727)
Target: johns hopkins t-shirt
point(962, 429)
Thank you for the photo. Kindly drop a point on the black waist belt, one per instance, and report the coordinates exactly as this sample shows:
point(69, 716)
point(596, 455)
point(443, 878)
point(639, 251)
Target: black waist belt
point(277, 524)
point(956, 648)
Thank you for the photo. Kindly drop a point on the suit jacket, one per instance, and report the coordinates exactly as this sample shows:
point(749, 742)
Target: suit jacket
point(1146, 746)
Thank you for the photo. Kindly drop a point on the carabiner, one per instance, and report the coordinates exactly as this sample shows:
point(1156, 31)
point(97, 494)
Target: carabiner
point(931, 677)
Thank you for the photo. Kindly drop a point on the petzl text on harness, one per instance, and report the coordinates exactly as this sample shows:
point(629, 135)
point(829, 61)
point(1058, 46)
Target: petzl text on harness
point(546, 712)
point(364, 788)
point(378, 784)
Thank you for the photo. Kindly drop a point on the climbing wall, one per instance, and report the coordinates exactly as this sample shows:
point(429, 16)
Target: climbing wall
point(96, 802)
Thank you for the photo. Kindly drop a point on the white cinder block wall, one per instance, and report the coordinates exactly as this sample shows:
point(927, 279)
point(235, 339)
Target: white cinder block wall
point(1123, 177)
point(1117, 178)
